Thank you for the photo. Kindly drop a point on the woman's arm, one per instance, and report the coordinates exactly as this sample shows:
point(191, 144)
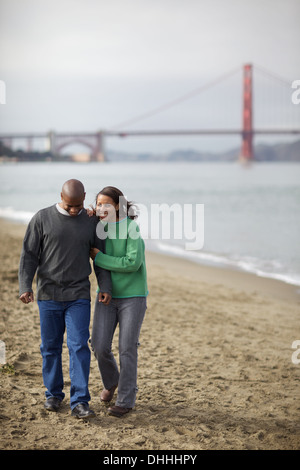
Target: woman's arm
point(130, 262)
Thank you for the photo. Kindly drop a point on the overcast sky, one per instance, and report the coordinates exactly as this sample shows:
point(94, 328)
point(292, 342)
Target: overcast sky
point(74, 65)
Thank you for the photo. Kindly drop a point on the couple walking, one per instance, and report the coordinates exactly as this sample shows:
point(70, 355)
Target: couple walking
point(57, 247)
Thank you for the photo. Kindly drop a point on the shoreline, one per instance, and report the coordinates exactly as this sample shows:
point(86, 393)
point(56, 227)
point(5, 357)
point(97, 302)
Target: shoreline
point(215, 372)
point(230, 277)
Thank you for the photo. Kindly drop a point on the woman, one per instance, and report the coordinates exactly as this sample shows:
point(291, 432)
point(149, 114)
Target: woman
point(125, 258)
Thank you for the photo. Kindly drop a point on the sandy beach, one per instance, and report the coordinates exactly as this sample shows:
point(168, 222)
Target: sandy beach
point(215, 365)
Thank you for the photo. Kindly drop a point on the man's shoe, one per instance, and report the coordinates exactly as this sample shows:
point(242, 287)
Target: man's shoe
point(82, 410)
point(52, 404)
point(107, 395)
point(118, 411)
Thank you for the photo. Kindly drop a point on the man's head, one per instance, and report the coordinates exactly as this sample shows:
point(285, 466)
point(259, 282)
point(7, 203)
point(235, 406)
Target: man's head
point(72, 196)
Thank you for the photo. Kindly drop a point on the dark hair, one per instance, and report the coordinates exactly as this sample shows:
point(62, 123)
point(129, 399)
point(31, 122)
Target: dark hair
point(128, 208)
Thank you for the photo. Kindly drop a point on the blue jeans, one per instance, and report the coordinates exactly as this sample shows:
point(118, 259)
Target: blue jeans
point(129, 314)
point(55, 318)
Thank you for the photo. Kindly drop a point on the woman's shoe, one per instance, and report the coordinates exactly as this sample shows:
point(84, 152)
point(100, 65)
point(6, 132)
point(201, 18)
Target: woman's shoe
point(118, 411)
point(107, 395)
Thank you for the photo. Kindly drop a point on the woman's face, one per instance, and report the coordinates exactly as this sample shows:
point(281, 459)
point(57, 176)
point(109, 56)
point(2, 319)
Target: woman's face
point(106, 208)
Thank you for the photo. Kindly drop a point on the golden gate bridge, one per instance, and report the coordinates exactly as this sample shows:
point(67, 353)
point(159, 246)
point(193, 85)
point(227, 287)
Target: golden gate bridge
point(95, 141)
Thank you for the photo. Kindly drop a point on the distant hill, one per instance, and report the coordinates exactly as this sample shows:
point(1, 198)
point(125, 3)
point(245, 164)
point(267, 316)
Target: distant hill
point(288, 152)
point(278, 152)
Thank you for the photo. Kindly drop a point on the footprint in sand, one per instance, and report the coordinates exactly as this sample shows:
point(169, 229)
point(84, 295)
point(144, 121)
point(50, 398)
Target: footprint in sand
point(24, 363)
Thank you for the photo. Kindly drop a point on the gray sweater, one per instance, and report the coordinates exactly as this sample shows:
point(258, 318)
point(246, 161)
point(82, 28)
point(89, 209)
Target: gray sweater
point(56, 248)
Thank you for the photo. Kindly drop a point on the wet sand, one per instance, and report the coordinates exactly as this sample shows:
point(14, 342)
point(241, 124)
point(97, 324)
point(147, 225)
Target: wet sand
point(215, 365)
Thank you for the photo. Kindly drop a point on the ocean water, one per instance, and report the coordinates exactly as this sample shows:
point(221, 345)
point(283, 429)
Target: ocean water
point(251, 216)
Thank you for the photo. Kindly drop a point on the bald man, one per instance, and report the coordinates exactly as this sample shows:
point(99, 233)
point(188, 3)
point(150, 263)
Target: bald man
point(56, 248)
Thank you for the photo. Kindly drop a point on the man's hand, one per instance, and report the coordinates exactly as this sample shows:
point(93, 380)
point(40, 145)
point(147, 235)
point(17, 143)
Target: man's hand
point(27, 297)
point(90, 211)
point(104, 297)
point(94, 252)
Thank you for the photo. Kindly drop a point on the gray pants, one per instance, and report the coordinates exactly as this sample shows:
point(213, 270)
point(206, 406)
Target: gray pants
point(129, 313)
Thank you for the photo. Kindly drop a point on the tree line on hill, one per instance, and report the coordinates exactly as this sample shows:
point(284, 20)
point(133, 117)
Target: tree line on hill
point(289, 152)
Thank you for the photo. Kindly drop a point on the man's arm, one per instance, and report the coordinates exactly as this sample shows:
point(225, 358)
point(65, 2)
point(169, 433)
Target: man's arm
point(29, 260)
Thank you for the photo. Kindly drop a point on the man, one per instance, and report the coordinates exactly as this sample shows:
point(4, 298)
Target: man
point(56, 247)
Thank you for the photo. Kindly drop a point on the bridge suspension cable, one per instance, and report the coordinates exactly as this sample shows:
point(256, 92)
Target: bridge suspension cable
point(272, 101)
point(175, 102)
point(272, 75)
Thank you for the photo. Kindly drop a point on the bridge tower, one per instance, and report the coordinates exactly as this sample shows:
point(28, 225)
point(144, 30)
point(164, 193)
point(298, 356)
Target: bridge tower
point(247, 133)
point(98, 154)
point(51, 142)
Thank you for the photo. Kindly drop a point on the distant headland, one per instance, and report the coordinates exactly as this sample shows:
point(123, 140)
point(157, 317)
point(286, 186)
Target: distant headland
point(280, 152)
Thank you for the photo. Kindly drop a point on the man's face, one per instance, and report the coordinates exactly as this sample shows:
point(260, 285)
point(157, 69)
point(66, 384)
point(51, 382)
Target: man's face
point(72, 205)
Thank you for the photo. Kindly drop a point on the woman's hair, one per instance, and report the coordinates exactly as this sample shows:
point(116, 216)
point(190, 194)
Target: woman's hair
point(126, 208)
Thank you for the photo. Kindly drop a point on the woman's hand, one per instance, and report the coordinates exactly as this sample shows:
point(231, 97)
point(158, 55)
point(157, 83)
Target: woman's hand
point(94, 252)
